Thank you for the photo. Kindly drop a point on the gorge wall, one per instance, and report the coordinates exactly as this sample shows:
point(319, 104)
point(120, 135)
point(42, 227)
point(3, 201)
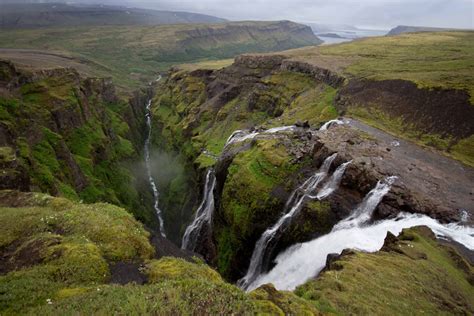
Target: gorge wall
point(73, 137)
point(198, 110)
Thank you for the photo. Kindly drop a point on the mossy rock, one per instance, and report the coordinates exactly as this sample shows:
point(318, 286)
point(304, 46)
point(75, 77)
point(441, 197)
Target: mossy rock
point(414, 273)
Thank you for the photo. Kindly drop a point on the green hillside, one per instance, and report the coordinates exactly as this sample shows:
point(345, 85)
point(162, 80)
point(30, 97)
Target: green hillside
point(133, 55)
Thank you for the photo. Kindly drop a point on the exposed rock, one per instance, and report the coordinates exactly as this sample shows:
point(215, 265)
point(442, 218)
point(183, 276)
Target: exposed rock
point(445, 112)
point(304, 124)
point(324, 75)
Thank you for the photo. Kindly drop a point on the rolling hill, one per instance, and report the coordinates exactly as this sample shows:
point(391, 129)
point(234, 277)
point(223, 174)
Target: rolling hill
point(400, 29)
point(63, 15)
point(134, 54)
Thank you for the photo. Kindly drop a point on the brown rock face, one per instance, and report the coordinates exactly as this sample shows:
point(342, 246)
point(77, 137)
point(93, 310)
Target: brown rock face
point(444, 112)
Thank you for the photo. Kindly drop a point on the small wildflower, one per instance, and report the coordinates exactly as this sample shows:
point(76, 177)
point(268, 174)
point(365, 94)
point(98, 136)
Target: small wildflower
point(49, 301)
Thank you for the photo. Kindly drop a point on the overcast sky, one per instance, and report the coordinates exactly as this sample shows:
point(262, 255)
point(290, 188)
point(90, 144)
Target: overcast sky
point(369, 13)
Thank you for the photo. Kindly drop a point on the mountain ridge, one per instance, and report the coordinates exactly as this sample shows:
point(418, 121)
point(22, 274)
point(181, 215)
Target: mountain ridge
point(62, 14)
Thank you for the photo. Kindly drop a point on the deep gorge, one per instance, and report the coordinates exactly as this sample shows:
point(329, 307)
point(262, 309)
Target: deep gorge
point(269, 170)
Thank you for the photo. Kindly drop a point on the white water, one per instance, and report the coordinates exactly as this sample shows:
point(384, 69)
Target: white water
point(156, 195)
point(329, 123)
point(333, 183)
point(267, 242)
point(301, 262)
point(243, 135)
point(203, 214)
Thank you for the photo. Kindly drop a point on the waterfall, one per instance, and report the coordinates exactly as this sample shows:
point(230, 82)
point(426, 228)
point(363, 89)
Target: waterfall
point(203, 214)
point(269, 239)
point(329, 123)
point(154, 189)
point(242, 135)
point(363, 213)
point(301, 262)
point(333, 183)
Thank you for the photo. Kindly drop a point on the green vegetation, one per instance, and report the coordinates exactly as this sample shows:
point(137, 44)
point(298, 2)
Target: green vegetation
point(71, 139)
point(415, 273)
point(441, 59)
point(56, 255)
point(52, 244)
point(178, 111)
point(430, 60)
point(248, 204)
point(133, 55)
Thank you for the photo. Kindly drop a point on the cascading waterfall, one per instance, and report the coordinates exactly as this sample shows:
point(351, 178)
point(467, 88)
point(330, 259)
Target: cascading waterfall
point(303, 261)
point(153, 186)
point(333, 183)
point(242, 135)
point(203, 214)
point(363, 213)
point(329, 123)
point(267, 242)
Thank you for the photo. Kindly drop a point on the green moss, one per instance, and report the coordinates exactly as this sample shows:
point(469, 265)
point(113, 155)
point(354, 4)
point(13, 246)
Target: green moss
point(422, 275)
point(204, 161)
point(99, 139)
point(84, 139)
point(187, 297)
point(248, 205)
point(179, 269)
point(67, 245)
point(464, 151)
point(7, 154)
point(315, 106)
point(67, 191)
point(104, 224)
point(282, 302)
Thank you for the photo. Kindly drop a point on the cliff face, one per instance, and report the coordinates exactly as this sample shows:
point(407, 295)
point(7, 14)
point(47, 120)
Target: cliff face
point(198, 110)
point(400, 29)
point(279, 35)
point(230, 39)
point(70, 136)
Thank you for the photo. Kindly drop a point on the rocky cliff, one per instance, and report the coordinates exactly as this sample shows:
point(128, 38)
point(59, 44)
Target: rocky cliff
point(198, 111)
point(70, 136)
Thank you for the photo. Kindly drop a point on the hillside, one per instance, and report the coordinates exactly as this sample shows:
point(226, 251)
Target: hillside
point(313, 181)
point(377, 70)
point(14, 16)
point(198, 110)
point(400, 29)
point(76, 138)
point(66, 258)
point(133, 55)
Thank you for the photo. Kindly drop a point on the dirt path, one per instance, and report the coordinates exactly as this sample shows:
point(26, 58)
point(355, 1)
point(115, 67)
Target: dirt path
point(421, 169)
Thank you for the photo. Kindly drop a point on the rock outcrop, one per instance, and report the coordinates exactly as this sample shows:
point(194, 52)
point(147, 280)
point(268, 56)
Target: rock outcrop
point(69, 136)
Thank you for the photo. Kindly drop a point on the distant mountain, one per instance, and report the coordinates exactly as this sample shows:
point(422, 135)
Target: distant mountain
point(59, 14)
point(327, 28)
point(332, 35)
point(411, 29)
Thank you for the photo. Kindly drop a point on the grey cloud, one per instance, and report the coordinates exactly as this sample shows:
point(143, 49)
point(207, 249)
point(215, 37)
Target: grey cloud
point(374, 13)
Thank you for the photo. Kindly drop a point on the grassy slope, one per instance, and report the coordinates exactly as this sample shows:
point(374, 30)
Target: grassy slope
point(57, 255)
point(68, 246)
point(134, 54)
point(442, 59)
point(417, 275)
